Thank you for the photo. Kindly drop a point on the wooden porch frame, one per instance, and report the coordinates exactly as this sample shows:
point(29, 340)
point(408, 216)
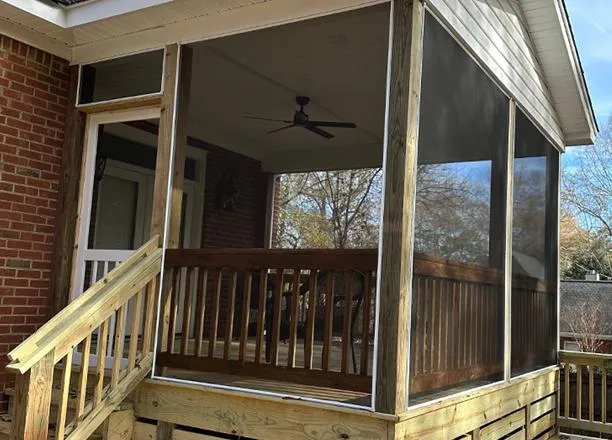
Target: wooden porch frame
point(397, 243)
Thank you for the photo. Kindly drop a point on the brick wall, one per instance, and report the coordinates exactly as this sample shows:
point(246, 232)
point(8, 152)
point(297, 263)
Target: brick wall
point(33, 94)
point(240, 228)
point(245, 225)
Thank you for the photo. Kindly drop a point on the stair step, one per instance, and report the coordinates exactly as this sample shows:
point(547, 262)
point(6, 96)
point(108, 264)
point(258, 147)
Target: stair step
point(5, 429)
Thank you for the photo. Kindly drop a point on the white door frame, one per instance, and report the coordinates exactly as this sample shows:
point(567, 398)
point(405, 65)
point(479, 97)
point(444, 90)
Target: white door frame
point(90, 147)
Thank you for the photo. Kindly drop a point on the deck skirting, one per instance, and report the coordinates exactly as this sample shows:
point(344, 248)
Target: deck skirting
point(525, 408)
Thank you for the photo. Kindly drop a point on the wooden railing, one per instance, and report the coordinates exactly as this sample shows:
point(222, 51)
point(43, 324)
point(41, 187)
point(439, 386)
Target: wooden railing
point(81, 330)
point(303, 316)
point(307, 316)
point(584, 392)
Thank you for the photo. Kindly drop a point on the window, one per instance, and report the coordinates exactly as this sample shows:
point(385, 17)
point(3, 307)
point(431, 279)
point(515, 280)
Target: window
point(458, 292)
point(124, 77)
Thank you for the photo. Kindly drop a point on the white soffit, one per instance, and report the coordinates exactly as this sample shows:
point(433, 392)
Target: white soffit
point(551, 33)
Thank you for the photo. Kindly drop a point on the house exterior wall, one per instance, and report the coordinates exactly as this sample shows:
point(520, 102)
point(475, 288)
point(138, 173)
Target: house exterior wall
point(496, 33)
point(33, 95)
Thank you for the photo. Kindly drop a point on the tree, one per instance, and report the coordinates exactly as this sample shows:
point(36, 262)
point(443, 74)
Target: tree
point(587, 324)
point(588, 184)
point(326, 209)
point(582, 250)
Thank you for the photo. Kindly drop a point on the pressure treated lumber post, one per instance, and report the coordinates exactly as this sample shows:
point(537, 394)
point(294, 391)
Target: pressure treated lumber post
point(398, 211)
point(68, 198)
point(33, 401)
point(165, 431)
point(180, 148)
point(164, 141)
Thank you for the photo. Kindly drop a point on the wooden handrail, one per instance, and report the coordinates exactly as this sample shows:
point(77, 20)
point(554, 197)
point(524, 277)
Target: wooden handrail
point(31, 345)
point(83, 322)
point(344, 259)
point(88, 311)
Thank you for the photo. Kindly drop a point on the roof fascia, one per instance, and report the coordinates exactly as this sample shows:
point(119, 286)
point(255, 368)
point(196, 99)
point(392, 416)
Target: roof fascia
point(576, 66)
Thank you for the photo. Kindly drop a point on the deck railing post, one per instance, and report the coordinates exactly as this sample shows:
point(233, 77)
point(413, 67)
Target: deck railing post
point(395, 272)
point(33, 401)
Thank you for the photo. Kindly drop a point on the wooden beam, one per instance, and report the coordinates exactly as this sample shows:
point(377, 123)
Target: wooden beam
point(68, 199)
point(398, 211)
point(180, 146)
point(255, 416)
point(164, 140)
point(33, 401)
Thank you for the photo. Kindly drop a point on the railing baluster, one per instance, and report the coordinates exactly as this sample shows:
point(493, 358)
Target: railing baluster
point(566, 386)
point(100, 370)
point(246, 309)
point(346, 325)
point(118, 349)
point(147, 336)
point(591, 394)
point(93, 277)
point(135, 330)
point(62, 409)
point(293, 318)
point(186, 312)
point(432, 324)
point(310, 322)
point(261, 313)
point(214, 322)
point(329, 321)
point(82, 387)
point(175, 292)
point(365, 325)
point(604, 394)
point(229, 322)
point(276, 316)
point(579, 392)
point(200, 309)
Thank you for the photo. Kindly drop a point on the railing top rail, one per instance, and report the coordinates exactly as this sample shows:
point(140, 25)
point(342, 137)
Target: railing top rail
point(88, 311)
point(259, 258)
point(342, 260)
point(583, 358)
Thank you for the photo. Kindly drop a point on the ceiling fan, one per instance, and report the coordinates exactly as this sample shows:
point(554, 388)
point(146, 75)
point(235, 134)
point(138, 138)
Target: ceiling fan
point(301, 119)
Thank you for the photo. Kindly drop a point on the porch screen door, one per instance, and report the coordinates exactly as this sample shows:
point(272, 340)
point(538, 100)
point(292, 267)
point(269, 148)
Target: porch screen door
point(113, 211)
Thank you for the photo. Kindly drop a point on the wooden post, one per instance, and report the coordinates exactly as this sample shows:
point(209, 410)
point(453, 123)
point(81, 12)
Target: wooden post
point(165, 431)
point(164, 141)
point(33, 401)
point(180, 146)
point(398, 211)
point(68, 199)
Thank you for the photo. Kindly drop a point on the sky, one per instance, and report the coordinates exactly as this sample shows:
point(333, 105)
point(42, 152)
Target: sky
point(592, 25)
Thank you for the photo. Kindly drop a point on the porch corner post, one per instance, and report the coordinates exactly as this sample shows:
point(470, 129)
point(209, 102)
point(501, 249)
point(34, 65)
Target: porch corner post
point(404, 88)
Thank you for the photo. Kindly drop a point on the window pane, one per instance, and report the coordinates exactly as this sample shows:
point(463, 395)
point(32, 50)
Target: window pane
point(534, 249)
point(133, 75)
point(457, 302)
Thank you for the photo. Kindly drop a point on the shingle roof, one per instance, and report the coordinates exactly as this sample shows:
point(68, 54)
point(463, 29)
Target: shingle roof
point(69, 2)
point(574, 292)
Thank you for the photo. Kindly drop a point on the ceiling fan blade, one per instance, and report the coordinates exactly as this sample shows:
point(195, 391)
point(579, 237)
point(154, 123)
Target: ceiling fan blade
point(333, 124)
point(318, 131)
point(267, 119)
point(280, 129)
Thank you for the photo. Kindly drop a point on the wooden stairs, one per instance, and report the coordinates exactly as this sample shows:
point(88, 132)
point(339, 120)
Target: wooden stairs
point(61, 382)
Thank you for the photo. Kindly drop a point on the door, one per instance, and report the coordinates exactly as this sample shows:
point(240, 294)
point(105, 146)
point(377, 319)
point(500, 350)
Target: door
point(117, 199)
